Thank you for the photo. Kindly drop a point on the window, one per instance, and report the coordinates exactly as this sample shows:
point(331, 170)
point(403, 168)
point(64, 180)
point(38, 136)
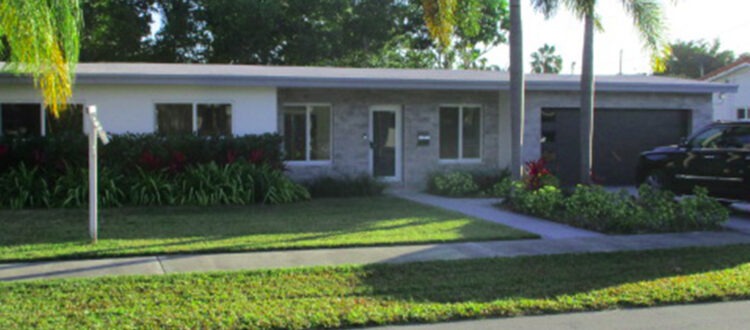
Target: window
point(307, 132)
point(30, 119)
point(743, 114)
point(70, 121)
point(460, 132)
point(708, 139)
point(736, 138)
point(202, 118)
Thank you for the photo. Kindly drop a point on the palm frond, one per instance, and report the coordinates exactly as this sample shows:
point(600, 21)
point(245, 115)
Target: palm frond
point(42, 39)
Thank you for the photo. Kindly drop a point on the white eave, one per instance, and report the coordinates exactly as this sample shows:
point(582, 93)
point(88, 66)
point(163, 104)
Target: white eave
point(326, 77)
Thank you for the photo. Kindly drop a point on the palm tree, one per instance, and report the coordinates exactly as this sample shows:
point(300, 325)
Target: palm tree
point(544, 60)
point(647, 18)
point(42, 40)
point(517, 89)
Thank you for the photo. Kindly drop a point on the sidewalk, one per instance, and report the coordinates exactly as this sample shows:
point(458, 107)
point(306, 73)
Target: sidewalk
point(170, 264)
point(724, 315)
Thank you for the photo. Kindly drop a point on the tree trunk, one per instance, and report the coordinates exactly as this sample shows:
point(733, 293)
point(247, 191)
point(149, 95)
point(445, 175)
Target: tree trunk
point(517, 87)
point(587, 101)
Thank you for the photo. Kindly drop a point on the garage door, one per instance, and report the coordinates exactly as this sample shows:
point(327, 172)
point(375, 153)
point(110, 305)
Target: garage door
point(620, 135)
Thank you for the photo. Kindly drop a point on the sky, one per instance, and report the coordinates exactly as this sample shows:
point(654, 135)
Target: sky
point(726, 20)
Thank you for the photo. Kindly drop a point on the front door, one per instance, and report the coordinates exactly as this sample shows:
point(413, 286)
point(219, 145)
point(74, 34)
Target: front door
point(385, 132)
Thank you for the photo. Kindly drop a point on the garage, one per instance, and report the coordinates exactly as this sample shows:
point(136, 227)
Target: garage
point(620, 135)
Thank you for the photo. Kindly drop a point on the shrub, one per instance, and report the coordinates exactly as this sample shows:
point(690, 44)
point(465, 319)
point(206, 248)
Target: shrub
point(203, 184)
point(594, 208)
point(486, 179)
point(536, 175)
point(546, 201)
point(501, 189)
point(344, 186)
point(453, 184)
point(151, 152)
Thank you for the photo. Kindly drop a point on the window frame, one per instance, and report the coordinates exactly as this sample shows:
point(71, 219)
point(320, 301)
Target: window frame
point(460, 133)
point(194, 112)
point(745, 113)
point(308, 141)
point(43, 114)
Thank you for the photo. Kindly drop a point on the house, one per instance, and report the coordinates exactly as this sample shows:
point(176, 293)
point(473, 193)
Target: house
point(394, 124)
point(732, 106)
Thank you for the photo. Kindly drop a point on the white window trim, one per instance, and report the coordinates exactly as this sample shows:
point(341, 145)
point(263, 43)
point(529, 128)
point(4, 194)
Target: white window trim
point(308, 147)
point(42, 114)
point(194, 105)
point(461, 159)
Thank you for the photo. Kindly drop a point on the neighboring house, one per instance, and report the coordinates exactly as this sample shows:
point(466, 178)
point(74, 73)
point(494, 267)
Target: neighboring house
point(732, 106)
point(395, 124)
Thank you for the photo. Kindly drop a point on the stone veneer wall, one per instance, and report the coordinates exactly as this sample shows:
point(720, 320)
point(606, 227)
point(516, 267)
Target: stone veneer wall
point(351, 108)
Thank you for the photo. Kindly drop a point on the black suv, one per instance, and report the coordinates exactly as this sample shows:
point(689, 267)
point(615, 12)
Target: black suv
point(717, 157)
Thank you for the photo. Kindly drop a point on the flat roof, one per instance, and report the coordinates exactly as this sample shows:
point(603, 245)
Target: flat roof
point(375, 78)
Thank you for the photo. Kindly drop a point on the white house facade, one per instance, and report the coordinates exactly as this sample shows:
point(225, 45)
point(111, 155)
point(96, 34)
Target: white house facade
point(732, 106)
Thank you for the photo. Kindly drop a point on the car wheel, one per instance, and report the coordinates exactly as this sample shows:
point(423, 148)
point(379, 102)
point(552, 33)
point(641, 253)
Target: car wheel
point(656, 180)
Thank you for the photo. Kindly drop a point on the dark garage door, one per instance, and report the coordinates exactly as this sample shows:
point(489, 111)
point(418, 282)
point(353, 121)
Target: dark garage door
point(620, 135)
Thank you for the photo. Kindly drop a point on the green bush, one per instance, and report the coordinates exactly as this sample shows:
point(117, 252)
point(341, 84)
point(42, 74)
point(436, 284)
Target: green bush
point(202, 184)
point(151, 152)
point(344, 186)
point(501, 189)
point(592, 207)
point(546, 201)
point(453, 184)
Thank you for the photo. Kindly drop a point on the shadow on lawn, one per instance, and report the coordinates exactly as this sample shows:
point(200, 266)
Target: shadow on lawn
point(172, 230)
point(540, 277)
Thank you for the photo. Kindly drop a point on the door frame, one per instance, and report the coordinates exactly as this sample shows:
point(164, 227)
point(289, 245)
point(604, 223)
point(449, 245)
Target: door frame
point(396, 109)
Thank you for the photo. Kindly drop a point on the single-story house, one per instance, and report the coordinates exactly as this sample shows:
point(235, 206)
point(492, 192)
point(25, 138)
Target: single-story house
point(732, 106)
point(395, 124)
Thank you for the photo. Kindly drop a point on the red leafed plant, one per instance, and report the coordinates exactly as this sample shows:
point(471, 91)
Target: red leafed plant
point(149, 161)
point(231, 156)
point(256, 156)
point(3, 150)
point(537, 174)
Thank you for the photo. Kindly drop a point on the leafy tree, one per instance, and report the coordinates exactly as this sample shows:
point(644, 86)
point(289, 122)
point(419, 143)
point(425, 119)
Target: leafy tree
point(115, 30)
point(695, 58)
point(41, 39)
point(647, 18)
point(544, 60)
point(182, 37)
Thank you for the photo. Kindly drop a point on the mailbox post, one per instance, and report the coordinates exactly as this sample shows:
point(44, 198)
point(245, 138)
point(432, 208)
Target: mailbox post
point(96, 131)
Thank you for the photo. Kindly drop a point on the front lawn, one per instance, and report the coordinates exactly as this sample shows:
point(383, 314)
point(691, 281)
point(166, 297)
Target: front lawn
point(63, 234)
point(331, 297)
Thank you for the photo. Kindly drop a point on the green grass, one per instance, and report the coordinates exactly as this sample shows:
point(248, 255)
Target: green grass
point(63, 234)
point(382, 294)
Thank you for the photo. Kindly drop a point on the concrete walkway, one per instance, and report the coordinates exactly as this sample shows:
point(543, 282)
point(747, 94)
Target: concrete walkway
point(158, 265)
point(725, 315)
point(484, 208)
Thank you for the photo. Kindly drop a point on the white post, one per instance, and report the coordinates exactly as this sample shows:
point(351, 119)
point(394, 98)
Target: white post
point(93, 187)
point(96, 131)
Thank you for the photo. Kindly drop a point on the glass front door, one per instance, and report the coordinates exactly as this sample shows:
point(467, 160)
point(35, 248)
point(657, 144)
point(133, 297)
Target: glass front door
point(385, 143)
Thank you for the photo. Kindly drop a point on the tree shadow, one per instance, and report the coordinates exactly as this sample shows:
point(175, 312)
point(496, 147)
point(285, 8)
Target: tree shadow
point(541, 277)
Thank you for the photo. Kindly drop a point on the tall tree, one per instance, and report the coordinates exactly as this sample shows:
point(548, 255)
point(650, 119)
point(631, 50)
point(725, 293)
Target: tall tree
point(115, 30)
point(544, 60)
point(42, 40)
point(647, 18)
point(517, 90)
point(182, 37)
point(695, 58)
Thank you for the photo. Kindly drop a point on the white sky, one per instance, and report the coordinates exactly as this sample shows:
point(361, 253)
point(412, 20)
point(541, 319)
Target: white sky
point(728, 20)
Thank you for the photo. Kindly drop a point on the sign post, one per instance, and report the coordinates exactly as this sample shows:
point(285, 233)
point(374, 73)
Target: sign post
point(96, 131)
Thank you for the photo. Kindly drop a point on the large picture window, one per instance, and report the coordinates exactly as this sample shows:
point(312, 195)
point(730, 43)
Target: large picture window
point(307, 132)
point(204, 119)
point(31, 119)
point(460, 132)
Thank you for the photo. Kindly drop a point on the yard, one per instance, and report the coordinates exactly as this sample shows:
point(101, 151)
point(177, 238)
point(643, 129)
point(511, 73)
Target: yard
point(333, 297)
point(63, 234)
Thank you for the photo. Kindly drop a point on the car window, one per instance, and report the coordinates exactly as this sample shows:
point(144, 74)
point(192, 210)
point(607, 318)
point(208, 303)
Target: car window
point(736, 138)
point(708, 139)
